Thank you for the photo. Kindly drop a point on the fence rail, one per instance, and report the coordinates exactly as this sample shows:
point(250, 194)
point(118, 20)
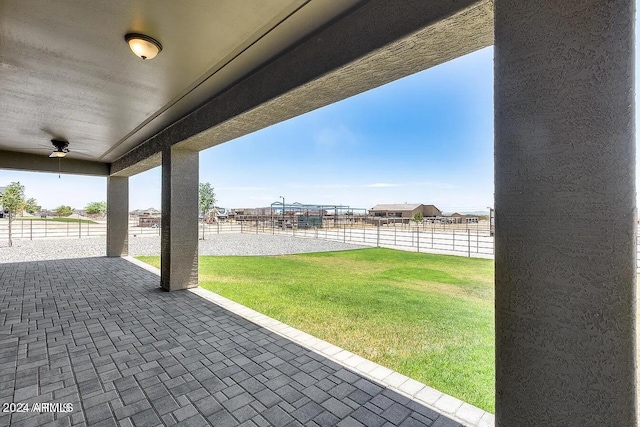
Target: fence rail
point(473, 240)
point(31, 229)
point(469, 239)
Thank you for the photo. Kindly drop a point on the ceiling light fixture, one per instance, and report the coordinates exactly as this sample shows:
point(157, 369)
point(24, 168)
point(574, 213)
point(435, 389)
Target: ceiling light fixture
point(143, 46)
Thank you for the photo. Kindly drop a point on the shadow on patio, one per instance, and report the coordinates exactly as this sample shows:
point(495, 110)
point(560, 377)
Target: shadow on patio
point(100, 334)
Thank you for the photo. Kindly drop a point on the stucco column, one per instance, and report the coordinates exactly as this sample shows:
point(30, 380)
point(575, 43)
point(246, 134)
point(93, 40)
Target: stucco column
point(117, 216)
point(179, 236)
point(565, 213)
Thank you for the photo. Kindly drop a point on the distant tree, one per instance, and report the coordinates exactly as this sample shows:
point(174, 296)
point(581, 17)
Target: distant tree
point(12, 201)
point(207, 201)
point(63, 210)
point(96, 208)
point(418, 218)
point(31, 206)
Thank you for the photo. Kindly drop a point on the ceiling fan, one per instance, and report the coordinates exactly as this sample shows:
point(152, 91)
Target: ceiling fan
point(61, 148)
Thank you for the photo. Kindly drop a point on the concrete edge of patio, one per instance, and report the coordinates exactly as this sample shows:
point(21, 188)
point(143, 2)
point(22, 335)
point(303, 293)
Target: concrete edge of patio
point(450, 406)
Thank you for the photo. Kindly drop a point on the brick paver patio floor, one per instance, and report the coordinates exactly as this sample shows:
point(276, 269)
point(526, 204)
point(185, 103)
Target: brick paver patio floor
point(98, 333)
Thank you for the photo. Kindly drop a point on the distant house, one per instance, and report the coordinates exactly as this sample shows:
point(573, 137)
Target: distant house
point(150, 217)
point(459, 218)
point(251, 211)
point(145, 212)
point(404, 210)
point(149, 221)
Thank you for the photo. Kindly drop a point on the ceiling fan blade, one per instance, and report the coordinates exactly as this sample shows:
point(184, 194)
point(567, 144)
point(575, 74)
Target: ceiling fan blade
point(79, 150)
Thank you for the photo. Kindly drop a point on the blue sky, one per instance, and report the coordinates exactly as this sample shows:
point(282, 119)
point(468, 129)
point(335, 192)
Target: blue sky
point(424, 139)
point(427, 138)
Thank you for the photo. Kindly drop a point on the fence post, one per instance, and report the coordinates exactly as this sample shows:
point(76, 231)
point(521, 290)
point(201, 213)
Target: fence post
point(256, 226)
point(469, 243)
point(79, 229)
point(454, 240)
point(31, 231)
point(378, 235)
point(418, 237)
point(432, 229)
point(241, 226)
point(344, 233)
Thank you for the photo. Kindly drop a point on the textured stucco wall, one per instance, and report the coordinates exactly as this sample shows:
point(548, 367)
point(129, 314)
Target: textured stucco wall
point(117, 216)
point(565, 213)
point(179, 234)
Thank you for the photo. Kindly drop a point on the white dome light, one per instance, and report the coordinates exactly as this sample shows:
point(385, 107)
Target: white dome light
point(143, 46)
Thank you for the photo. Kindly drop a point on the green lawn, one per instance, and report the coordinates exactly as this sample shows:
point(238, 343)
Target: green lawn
point(57, 219)
point(427, 316)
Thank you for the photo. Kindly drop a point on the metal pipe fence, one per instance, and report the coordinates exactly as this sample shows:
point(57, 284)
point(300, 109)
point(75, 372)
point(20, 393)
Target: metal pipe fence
point(31, 229)
point(472, 240)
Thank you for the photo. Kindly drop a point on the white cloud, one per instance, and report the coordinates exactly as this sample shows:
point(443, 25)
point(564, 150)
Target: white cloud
point(332, 186)
point(381, 185)
point(432, 184)
point(242, 188)
point(329, 186)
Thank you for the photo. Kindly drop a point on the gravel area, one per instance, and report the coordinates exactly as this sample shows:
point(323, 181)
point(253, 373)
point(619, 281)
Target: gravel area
point(217, 244)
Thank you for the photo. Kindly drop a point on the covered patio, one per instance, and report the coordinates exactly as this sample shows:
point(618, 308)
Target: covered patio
point(565, 156)
point(100, 334)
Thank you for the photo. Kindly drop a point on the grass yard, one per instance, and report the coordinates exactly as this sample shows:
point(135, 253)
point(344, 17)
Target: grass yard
point(427, 316)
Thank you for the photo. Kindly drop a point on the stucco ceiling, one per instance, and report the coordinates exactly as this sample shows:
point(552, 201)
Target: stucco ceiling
point(66, 71)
